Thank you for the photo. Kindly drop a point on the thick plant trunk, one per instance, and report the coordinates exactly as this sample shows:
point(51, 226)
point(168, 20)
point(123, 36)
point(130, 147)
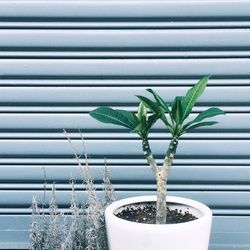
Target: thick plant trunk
point(161, 205)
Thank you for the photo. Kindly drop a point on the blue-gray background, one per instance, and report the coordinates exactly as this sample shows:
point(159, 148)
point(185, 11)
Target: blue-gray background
point(60, 59)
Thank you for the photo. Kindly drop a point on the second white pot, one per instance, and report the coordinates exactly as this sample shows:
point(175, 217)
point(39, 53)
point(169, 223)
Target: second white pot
point(127, 235)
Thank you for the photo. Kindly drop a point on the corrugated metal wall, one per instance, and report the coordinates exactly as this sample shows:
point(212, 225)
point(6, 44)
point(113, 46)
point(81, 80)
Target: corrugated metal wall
point(60, 59)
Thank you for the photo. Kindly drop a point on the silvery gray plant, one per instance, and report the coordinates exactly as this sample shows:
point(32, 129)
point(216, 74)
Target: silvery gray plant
point(83, 228)
point(176, 118)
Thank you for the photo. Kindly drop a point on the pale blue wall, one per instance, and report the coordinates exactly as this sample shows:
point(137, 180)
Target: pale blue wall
point(60, 59)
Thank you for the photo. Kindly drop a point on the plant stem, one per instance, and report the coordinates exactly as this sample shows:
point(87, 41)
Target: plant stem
point(161, 176)
point(161, 206)
point(170, 155)
point(161, 179)
point(149, 156)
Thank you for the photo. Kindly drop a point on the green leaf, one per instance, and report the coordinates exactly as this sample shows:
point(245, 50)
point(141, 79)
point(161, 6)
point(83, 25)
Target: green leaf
point(211, 112)
point(177, 112)
point(201, 124)
point(159, 100)
point(118, 117)
point(142, 114)
point(149, 104)
point(138, 129)
point(136, 119)
point(142, 111)
point(165, 121)
point(151, 120)
point(128, 115)
point(192, 95)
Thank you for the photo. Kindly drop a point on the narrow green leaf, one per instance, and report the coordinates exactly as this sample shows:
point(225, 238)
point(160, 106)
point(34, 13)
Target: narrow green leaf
point(211, 112)
point(165, 120)
point(192, 95)
point(159, 100)
point(149, 103)
point(136, 119)
point(138, 129)
point(201, 124)
point(109, 115)
point(142, 110)
point(151, 120)
point(177, 111)
point(142, 114)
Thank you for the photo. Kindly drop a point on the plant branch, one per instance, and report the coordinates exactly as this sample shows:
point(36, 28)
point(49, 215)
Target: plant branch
point(149, 156)
point(169, 156)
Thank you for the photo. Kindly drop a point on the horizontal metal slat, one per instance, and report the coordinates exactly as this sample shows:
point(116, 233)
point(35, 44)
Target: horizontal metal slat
point(122, 54)
point(49, 161)
point(113, 94)
point(90, 24)
point(80, 109)
point(146, 38)
point(236, 244)
point(27, 211)
point(199, 135)
point(214, 199)
point(85, 122)
point(121, 82)
point(213, 148)
point(126, 67)
point(125, 8)
point(230, 233)
point(133, 187)
point(193, 176)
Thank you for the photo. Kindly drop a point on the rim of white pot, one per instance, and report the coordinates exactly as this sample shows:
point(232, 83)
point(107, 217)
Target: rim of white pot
point(205, 211)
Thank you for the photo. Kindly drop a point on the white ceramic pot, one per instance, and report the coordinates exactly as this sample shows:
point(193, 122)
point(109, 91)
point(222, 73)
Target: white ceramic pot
point(127, 235)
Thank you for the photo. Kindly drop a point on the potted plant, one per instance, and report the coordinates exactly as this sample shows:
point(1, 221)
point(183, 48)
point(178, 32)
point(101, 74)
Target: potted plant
point(192, 219)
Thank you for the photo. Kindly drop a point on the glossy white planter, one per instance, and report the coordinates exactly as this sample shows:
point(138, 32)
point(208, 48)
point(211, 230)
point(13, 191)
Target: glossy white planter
point(127, 235)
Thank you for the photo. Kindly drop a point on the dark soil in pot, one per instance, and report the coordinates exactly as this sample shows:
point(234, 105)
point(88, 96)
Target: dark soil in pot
point(146, 213)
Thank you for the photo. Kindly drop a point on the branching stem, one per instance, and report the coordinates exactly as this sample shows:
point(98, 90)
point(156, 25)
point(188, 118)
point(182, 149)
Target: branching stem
point(160, 175)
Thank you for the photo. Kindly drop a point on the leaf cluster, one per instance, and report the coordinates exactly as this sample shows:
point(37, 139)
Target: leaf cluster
point(174, 115)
